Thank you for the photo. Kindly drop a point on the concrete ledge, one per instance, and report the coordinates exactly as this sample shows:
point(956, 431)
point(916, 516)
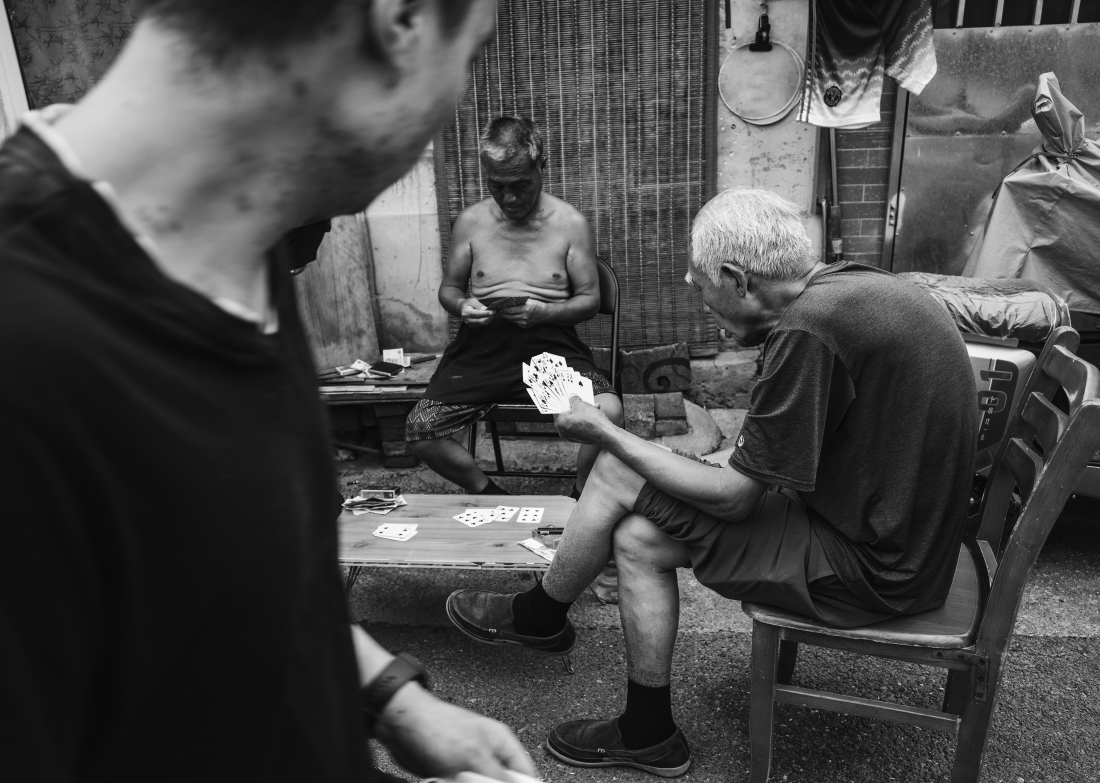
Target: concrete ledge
point(724, 380)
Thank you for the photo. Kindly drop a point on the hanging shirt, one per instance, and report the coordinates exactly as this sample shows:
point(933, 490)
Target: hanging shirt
point(852, 43)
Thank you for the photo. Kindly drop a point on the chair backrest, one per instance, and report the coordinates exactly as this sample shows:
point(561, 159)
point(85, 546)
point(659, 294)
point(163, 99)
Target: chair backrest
point(1045, 456)
point(609, 305)
point(999, 488)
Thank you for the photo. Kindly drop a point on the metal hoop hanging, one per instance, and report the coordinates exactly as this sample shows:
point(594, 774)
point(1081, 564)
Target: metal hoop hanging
point(761, 88)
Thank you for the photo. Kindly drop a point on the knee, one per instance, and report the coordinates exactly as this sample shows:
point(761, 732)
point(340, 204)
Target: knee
point(609, 470)
point(612, 408)
point(636, 539)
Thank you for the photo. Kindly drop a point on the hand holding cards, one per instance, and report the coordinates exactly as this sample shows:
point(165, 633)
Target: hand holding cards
point(498, 303)
point(551, 382)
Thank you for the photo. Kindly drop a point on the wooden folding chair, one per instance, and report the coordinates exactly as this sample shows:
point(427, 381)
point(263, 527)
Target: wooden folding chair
point(515, 412)
point(1045, 452)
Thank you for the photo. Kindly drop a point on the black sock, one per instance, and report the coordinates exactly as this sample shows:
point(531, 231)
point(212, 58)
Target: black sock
point(492, 489)
point(537, 614)
point(647, 719)
point(575, 493)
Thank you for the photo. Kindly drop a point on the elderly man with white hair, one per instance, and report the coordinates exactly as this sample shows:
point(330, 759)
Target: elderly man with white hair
point(843, 499)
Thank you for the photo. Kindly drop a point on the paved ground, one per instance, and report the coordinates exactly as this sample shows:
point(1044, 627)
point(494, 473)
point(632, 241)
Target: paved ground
point(1047, 725)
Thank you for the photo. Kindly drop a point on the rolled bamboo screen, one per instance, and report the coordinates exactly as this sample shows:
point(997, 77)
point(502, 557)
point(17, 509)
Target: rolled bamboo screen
point(621, 91)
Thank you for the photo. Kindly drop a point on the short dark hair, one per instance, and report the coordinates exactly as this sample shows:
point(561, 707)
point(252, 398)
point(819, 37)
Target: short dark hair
point(508, 137)
point(220, 28)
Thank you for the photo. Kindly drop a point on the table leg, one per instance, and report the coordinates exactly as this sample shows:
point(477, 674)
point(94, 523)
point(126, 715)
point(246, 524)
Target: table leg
point(349, 580)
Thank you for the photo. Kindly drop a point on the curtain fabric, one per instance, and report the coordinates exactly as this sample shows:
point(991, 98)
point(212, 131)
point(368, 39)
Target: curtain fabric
point(66, 45)
point(621, 92)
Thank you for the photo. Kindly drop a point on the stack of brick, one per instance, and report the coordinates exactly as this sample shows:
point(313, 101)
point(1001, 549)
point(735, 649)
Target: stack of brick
point(655, 415)
point(390, 417)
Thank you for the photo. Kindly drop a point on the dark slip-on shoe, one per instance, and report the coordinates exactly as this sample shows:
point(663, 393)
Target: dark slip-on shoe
point(597, 743)
point(487, 617)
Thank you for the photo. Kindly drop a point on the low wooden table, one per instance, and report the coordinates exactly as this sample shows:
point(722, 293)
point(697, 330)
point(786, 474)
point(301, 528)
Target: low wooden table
point(444, 542)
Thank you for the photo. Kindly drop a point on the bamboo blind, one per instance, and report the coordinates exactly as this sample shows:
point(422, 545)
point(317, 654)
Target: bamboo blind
point(620, 91)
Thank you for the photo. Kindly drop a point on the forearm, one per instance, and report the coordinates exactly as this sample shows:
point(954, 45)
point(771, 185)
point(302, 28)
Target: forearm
point(721, 492)
point(372, 659)
point(577, 309)
point(452, 297)
point(369, 654)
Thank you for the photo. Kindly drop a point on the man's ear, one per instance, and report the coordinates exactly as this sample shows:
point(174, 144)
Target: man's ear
point(397, 26)
point(735, 277)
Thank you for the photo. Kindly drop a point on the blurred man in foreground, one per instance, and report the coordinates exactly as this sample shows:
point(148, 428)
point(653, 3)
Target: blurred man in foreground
point(170, 602)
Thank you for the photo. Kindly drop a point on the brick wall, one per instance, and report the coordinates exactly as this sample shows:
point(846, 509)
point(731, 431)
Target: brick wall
point(863, 174)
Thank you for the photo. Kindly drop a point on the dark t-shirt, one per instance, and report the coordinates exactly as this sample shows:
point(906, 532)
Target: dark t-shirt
point(867, 408)
point(170, 602)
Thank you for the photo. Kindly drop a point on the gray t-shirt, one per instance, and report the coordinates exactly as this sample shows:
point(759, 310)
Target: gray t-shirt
point(867, 408)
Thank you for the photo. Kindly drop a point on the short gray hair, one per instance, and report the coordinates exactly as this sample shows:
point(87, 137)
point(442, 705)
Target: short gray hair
point(755, 229)
point(508, 137)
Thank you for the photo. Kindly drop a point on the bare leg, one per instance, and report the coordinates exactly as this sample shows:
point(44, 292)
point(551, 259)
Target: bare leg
point(449, 459)
point(649, 598)
point(612, 407)
point(584, 549)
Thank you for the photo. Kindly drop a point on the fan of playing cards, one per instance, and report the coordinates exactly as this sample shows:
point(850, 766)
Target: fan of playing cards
point(551, 382)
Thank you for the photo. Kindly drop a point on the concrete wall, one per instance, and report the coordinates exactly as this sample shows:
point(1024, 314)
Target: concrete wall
point(779, 157)
point(404, 233)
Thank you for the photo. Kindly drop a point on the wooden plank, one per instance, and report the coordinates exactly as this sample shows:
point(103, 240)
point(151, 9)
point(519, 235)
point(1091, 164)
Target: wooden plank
point(336, 298)
point(897, 652)
point(443, 542)
point(867, 708)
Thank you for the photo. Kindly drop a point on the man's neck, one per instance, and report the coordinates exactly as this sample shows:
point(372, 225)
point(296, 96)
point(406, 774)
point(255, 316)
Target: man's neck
point(205, 185)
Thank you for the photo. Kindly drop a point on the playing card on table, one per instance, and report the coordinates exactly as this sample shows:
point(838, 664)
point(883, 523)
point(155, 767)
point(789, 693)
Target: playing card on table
point(472, 517)
point(396, 532)
point(530, 516)
point(504, 513)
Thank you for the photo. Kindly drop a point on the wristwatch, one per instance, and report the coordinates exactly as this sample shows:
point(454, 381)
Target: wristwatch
point(376, 694)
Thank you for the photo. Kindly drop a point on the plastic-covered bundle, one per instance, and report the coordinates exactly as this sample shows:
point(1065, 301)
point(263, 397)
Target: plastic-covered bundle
point(1004, 307)
point(1045, 221)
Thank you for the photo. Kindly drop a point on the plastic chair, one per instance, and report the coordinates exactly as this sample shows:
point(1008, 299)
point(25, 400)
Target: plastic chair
point(516, 412)
point(1045, 453)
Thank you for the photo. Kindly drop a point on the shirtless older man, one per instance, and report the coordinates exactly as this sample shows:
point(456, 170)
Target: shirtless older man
point(520, 243)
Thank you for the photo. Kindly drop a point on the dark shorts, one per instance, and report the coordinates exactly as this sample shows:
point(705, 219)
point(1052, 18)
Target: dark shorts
point(431, 419)
point(774, 557)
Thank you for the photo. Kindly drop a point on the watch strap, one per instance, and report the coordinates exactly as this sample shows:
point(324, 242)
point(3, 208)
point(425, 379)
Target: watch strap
point(376, 694)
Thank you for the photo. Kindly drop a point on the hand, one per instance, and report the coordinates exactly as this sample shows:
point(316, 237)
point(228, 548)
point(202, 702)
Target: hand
point(582, 424)
point(474, 313)
point(530, 313)
point(431, 738)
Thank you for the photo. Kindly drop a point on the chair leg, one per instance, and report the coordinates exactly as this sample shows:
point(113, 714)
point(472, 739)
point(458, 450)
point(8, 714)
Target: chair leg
point(975, 718)
point(955, 691)
point(496, 446)
point(349, 580)
point(765, 658)
point(471, 445)
point(788, 657)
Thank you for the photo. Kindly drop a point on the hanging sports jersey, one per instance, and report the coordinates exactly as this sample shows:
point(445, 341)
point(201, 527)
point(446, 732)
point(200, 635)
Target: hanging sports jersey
point(852, 43)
